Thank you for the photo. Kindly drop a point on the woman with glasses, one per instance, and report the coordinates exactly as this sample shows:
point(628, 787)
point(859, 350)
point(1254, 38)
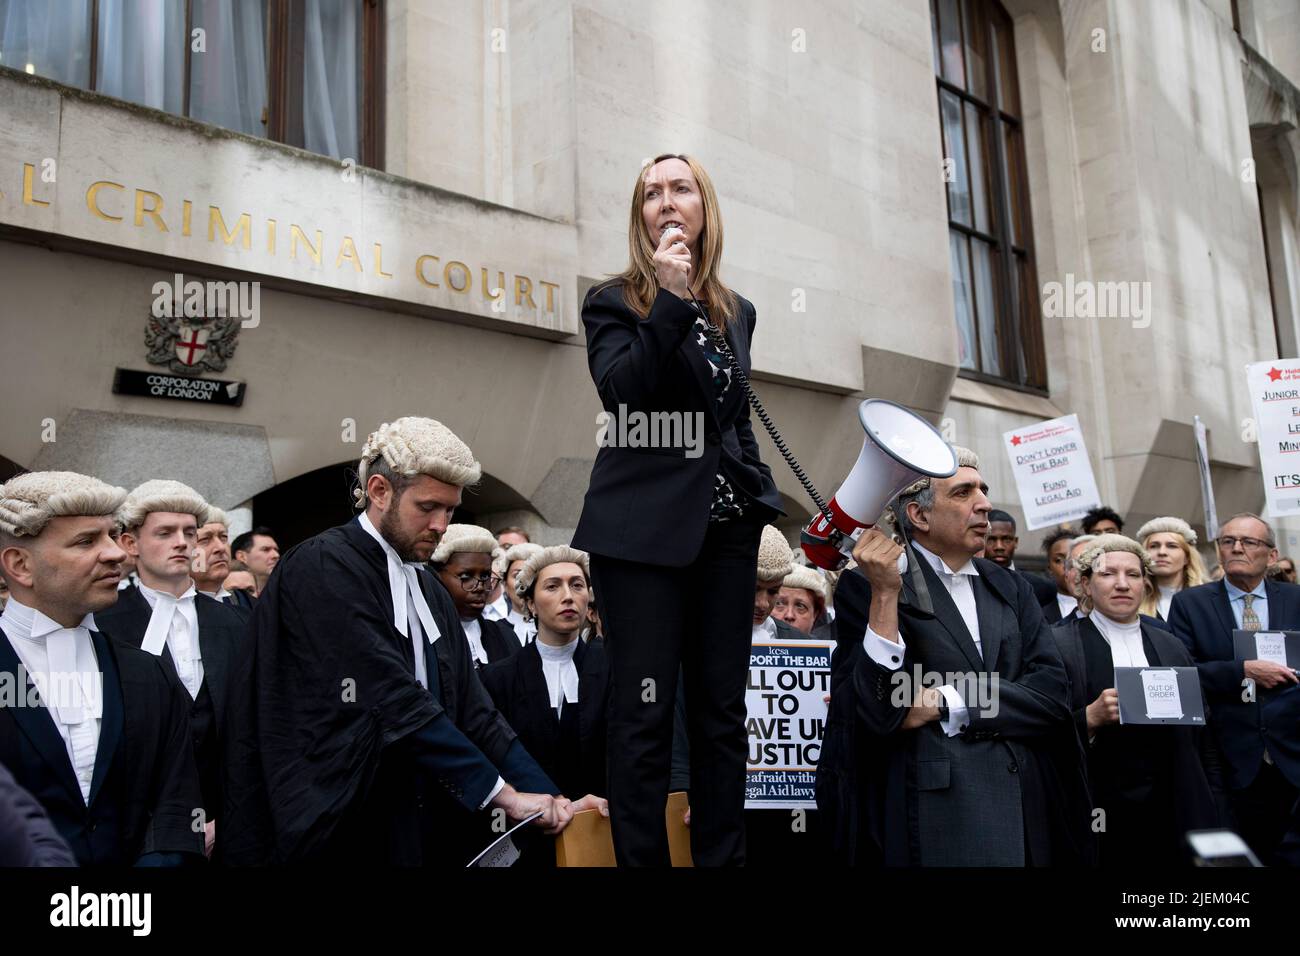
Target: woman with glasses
point(463, 563)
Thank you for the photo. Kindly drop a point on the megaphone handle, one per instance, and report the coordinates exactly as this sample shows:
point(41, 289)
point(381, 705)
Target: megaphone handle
point(902, 563)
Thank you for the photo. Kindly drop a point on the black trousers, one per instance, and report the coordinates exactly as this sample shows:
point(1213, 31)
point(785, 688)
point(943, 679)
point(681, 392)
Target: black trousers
point(657, 620)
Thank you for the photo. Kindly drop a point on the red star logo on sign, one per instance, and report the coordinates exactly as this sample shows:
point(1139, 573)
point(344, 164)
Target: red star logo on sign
point(1015, 439)
point(1274, 374)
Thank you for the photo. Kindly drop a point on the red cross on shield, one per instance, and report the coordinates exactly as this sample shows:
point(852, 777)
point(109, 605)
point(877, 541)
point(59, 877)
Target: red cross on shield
point(190, 343)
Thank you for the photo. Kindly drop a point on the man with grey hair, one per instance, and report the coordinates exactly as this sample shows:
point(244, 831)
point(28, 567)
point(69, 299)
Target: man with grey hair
point(90, 726)
point(949, 740)
point(367, 735)
point(1256, 702)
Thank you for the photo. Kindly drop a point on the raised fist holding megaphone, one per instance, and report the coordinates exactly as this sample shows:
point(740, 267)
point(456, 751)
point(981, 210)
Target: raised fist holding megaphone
point(900, 447)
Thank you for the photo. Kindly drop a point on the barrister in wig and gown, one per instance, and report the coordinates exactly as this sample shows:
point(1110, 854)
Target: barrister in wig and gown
point(1152, 783)
point(106, 749)
point(555, 692)
point(462, 562)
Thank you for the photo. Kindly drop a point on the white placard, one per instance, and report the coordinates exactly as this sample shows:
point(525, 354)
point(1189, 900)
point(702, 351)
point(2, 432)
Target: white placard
point(1053, 474)
point(1271, 646)
point(1160, 687)
point(1275, 394)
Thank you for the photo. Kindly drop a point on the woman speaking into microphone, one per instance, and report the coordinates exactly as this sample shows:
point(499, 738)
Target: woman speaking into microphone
point(673, 526)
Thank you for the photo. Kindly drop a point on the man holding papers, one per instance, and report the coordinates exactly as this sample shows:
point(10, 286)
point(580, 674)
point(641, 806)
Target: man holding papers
point(1256, 703)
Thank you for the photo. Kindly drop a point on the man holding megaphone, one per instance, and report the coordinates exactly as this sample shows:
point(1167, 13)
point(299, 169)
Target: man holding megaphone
point(949, 740)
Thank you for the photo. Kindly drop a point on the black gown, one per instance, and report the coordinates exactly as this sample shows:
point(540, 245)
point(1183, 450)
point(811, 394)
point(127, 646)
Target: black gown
point(1154, 783)
point(336, 753)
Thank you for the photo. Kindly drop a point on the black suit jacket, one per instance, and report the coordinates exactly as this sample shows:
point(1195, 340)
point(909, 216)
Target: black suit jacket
point(1044, 590)
point(145, 787)
point(652, 504)
point(518, 688)
point(1012, 787)
point(1202, 618)
point(1176, 767)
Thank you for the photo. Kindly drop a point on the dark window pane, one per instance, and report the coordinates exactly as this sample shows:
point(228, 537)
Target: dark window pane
point(141, 54)
point(980, 160)
point(950, 43)
point(975, 29)
point(934, 36)
point(954, 142)
point(50, 39)
point(331, 82)
point(228, 81)
point(984, 262)
point(961, 296)
point(1005, 64)
point(1014, 182)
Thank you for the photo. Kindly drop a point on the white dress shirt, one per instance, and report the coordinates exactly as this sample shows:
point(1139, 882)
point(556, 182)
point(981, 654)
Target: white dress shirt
point(498, 609)
point(62, 664)
point(411, 614)
point(1067, 603)
point(1165, 598)
point(219, 595)
point(174, 624)
point(889, 654)
point(560, 672)
point(474, 631)
point(525, 629)
point(765, 631)
point(1125, 640)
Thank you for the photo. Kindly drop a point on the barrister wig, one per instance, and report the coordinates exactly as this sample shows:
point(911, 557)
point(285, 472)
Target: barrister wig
point(1167, 525)
point(774, 557)
point(161, 494)
point(28, 502)
point(217, 516)
point(504, 557)
point(463, 538)
point(965, 459)
point(1092, 556)
point(809, 580)
point(557, 554)
point(413, 446)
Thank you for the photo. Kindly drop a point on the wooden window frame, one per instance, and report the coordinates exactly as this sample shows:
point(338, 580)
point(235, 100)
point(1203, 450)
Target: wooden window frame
point(1016, 341)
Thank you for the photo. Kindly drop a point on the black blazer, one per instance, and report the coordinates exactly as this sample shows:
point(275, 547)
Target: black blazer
point(1044, 590)
point(1012, 787)
point(652, 504)
point(1202, 618)
point(518, 688)
point(1167, 779)
point(145, 787)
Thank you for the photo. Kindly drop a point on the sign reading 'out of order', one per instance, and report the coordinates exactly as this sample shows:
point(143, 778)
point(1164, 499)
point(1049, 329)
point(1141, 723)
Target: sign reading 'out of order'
point(1053, 474)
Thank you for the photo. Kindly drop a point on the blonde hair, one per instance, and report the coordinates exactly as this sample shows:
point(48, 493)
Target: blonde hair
point(640, 285)
point(1194, 572)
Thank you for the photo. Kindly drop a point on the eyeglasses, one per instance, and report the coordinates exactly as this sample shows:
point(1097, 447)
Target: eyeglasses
point(1250, 544)
point(477, 582)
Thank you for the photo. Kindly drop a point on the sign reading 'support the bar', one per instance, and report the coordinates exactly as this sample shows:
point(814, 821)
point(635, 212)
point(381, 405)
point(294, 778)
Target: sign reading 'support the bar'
point(97, 171)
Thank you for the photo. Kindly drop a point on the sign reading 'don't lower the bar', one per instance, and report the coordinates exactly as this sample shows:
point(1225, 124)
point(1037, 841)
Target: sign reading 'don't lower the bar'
point(1053, 474)
point(1275, 393)
point(212, 391)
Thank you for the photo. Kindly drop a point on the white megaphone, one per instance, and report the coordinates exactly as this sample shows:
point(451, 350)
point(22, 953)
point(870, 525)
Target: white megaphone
point(900, 447)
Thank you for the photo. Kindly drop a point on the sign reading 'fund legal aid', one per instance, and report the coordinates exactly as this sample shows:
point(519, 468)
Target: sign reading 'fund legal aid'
point(1053, 474)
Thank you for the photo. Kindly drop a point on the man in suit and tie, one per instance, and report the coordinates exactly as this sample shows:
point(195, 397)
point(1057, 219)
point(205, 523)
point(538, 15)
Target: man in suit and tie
point(192, 635)
point(950, 740)
point(97, 733)
point(211, 564)
point(1256, 703)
